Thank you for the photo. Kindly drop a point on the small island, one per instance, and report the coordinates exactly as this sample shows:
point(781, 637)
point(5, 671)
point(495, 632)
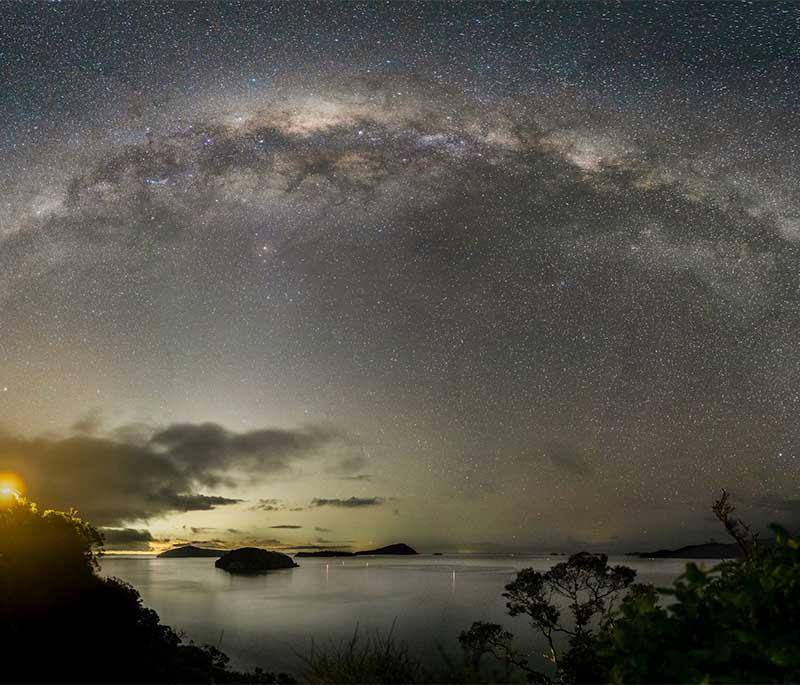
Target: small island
point(398, 548)
point(708, 550)
point(190, 551)
point(253, 560)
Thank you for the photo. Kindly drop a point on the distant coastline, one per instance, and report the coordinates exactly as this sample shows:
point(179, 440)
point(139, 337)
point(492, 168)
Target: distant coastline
point(707, 550)
point(399, 548)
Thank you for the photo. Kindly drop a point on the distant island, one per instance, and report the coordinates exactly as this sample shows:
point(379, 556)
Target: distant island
point(398, 548)
point(187, 551)
point(707, 550)
point(253, 560)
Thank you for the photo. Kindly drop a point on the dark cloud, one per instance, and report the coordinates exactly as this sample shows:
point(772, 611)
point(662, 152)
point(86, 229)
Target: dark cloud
point(365, 477)
point(348, 503)
point(178, 502)
point(126, 538)
point(287, 526)
point(268, 505)
point(210, 450)
point(130, 476)
point(320, 529)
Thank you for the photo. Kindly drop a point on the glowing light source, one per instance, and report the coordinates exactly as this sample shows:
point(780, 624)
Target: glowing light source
point(10, 486)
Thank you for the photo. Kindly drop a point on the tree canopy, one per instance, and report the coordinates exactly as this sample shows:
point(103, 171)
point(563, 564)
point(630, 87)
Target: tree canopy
point(62, 622)
point(737, 622)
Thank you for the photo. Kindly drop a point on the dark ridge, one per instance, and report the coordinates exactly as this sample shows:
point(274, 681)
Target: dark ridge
point(708, 550)
point(398, 548)
point(191, 551)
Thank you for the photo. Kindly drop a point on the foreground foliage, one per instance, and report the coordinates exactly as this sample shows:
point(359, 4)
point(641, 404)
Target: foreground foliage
point(591, 590)
point(374, 659)
point(61, 622)
point(738, 622)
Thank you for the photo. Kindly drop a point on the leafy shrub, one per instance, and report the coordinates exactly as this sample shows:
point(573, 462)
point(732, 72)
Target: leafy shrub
point(738, 622)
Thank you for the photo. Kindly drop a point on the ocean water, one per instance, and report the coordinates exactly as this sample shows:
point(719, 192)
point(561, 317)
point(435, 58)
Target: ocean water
point(272, 620)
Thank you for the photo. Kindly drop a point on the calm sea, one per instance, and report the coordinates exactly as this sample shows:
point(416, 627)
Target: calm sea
point(268, 620)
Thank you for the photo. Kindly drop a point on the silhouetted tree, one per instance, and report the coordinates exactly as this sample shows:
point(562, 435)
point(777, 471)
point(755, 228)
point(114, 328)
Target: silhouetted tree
point(591, 589)
point(736, 528)
point(61, 622)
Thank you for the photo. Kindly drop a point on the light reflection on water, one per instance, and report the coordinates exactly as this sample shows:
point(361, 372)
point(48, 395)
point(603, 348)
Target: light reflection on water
point(266, 620)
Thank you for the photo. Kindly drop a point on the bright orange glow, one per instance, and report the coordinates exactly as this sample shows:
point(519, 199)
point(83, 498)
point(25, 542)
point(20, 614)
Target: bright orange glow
point(11, 485)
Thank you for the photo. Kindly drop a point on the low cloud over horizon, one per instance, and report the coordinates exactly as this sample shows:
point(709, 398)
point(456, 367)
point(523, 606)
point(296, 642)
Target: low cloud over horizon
point(349, 503)
point(136, 473)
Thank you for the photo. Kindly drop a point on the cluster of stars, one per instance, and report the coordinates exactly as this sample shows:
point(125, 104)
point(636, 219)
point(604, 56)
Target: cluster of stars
point(536, 255)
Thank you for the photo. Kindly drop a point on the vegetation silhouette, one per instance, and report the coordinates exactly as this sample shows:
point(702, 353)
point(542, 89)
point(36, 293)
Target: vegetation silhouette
point(375, 659)
point(738, 622)
point(61, 622)
point(591, 590)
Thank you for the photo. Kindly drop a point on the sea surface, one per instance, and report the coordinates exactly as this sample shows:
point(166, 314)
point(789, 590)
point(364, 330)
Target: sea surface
point(272, 620)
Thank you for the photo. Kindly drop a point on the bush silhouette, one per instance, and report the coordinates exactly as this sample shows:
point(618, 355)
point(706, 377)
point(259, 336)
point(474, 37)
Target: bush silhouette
point(61, 622)
point(738, 622)
point(589, 587)
point(375, 659)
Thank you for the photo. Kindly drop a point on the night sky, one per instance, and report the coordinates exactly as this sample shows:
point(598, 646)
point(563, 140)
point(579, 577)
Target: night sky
point(473, 277)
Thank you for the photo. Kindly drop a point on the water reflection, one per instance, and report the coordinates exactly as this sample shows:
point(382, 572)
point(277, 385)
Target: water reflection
point(266, 620)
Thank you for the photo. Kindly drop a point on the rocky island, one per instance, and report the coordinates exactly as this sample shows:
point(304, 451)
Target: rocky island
point(253, 560)
point(190, 551)
point(398, 548)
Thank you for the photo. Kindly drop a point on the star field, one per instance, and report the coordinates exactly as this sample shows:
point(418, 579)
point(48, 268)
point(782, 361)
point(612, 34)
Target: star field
point(477, 276)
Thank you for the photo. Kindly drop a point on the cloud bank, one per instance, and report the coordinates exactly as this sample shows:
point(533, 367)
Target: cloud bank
point(133, 475)
point(349, 503)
